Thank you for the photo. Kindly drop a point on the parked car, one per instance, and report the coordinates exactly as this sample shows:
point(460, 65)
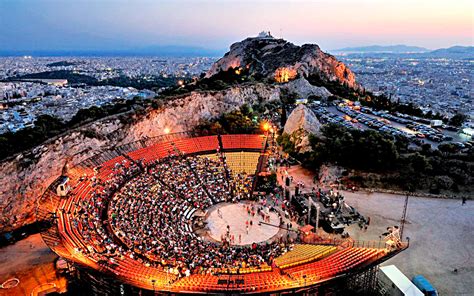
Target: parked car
point(424, 285)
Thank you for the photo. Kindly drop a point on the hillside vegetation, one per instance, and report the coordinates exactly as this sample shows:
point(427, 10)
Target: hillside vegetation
point(376, 160)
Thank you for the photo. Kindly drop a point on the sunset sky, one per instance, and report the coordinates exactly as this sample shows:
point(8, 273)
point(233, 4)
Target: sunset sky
point(120, 24)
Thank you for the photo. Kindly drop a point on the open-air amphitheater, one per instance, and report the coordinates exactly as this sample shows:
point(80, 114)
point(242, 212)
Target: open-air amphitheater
point(128, 224)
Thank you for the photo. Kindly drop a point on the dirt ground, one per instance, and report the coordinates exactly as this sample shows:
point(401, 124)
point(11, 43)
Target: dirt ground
point(30, 261)
point(440, 232)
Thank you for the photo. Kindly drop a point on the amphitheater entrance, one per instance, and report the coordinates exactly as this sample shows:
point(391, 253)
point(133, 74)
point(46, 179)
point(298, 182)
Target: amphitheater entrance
point(242, 223)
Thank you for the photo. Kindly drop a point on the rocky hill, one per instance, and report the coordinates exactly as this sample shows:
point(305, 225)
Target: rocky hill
point(283, 61)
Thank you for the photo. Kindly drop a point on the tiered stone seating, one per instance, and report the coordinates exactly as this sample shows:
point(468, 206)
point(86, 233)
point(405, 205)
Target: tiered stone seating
point(208, 143)
point(335, 264)
point(198, 282)
point(107, 167)
point(243, 141)
point(253, 141)
point(83, 248)
point(79, 171)
point(242, 162)
point(303, 254)
point(257, 281)
point(265, 281)
point(186, 146)
point(244, 270)
point(134, 272)
point(111, 163)
point(153, 152)
point(92, 242)
point(68, 227)
point(213, 156)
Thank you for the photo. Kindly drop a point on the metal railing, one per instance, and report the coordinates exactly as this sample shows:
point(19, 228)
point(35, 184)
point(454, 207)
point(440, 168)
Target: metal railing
point(348, 242)
point(108, 154)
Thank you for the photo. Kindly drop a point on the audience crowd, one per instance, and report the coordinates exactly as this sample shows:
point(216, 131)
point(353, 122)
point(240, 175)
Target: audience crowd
point(88, 215)
point(148, 213)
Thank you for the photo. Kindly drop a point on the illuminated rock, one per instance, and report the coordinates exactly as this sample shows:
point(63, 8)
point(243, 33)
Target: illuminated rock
point(284, 74)
point(304, 89)
point(280, 60)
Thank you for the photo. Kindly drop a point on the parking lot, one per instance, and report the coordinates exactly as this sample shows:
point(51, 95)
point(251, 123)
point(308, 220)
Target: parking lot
point(363, 118)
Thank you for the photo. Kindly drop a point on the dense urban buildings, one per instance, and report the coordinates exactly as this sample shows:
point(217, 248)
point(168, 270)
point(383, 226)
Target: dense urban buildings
point(437, 85)
point(23, 99)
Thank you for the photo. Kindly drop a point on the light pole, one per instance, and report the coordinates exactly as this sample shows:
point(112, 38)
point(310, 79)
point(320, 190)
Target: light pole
point(309, 209)
point(318, 208)
point(404, 216)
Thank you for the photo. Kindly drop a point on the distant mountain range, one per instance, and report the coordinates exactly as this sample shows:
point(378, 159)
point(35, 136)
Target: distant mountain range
point(400, 48)
point(455, 50)
point(165, 51)
point(461, 52)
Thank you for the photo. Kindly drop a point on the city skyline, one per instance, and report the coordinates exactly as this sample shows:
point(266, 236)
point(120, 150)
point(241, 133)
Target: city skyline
point(124, 25)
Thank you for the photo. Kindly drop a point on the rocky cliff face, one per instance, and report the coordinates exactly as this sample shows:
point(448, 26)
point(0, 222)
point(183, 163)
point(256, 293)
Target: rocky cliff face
point(25, 177)
point(300, 124)
point(283, 61)
point(304, 89)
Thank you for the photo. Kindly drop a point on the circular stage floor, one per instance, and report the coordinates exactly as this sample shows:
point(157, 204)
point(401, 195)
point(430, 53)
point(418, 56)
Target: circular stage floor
point(235, 216)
